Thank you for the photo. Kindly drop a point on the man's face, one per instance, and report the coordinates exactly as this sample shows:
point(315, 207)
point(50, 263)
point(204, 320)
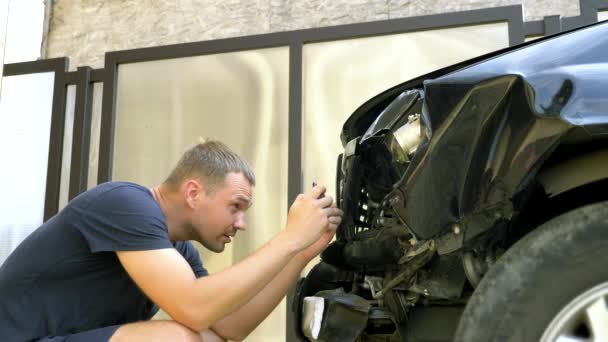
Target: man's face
point(219, 215)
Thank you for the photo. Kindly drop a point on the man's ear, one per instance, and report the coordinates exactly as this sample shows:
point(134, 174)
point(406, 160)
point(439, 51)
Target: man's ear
point(192, 189)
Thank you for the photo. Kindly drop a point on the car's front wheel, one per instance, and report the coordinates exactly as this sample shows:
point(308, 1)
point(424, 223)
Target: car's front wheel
point(552, 285)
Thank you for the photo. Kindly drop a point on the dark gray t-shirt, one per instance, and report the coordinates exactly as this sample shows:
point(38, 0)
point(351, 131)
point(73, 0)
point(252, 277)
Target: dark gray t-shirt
point(66, 278)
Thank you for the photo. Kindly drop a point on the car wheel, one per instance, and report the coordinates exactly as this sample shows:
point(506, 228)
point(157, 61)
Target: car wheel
point(552, 285)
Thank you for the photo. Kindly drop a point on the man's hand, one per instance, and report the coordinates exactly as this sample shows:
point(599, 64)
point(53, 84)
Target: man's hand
point(319, 246)
point(311, 216)
point(253, 313)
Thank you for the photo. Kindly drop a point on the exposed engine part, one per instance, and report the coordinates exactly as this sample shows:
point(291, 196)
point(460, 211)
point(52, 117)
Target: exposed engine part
point(380, 314)
point(444, 280)
point(399, 303)
point(376, 247)
point(382, 327)
point(416, 249)
point(372, 163)
point(409, 135)
point(474, 267)
point(410, 269)
point(374, 284)
point(373, 204)
point(394, 294)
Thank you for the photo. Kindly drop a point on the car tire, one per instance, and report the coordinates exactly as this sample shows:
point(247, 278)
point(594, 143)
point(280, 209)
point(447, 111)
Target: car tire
point(539, 278)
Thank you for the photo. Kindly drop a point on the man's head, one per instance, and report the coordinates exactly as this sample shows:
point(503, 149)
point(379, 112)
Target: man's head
point(216, 186)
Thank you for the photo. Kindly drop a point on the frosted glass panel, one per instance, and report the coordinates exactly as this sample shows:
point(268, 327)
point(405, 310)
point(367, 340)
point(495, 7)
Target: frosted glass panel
point(23, 30)
point(66, 160)
point(95, 127)
point(240, 98)
point(603, 15)
point(339, 76)
point(25, 127)
point(3, 21)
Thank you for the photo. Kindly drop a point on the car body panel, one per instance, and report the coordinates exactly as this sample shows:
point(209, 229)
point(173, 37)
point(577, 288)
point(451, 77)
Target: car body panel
point(492, 124)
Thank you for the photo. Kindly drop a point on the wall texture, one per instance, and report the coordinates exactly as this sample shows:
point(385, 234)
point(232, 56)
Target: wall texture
point(85, 29)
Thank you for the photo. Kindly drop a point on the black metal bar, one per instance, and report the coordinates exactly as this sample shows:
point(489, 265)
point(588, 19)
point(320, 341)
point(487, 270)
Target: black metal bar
point(33, 67)
point(516, 24)
point(599, 5)
point(534, 28)
point(81, 134)
point(588, 15)
point(71, 77)
point(569, 23)
point(106, 138)
point(589, 11)
point(552, 24)
point(97, 75)
point(295, 122)
point(294, 164)
point(412, 24)
point(53, 175)
point(512, 14)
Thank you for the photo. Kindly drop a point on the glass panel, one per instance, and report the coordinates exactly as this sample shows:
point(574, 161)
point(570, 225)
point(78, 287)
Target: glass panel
point(24, 30)
point(602, 15)
point(339, 76)
point(240, 98)
point(66, 160)
point(95, 127)
point(3, 21)
point(25, 127)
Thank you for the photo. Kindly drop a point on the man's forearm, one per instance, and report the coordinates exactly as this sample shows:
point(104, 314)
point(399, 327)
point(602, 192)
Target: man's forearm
point(243, 321)
point(220, 294)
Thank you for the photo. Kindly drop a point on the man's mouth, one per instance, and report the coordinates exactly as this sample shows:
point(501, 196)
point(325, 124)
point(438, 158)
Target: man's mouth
point(228, 238)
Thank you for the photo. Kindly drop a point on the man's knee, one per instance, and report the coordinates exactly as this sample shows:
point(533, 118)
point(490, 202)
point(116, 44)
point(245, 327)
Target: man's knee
point(178, 332)
point(155, 331)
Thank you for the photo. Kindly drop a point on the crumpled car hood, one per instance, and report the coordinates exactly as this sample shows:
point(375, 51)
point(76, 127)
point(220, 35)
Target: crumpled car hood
point(492, 125)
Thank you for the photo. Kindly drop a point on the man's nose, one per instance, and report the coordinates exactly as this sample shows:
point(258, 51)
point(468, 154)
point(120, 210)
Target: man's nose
point(240, 223)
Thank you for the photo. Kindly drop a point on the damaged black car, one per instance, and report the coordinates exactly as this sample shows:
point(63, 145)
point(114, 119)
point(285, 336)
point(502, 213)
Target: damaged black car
point(476, 204)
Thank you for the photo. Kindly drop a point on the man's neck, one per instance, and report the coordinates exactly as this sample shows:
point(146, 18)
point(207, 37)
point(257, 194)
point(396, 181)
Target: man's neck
point(166, 199)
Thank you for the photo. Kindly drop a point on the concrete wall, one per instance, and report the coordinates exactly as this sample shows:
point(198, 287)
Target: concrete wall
point(84, 30)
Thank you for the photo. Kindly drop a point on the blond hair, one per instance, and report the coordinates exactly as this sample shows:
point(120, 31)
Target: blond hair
point(211, 160)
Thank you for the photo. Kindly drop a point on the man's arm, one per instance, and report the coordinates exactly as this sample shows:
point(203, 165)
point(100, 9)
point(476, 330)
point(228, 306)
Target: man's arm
point(242, 322)
point(167, 279)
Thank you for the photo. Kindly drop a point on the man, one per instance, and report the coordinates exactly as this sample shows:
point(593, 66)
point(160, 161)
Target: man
point(94, 271)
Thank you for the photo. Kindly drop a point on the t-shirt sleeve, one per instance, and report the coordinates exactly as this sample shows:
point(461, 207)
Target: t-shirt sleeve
point(191, 255)
point(125, 218)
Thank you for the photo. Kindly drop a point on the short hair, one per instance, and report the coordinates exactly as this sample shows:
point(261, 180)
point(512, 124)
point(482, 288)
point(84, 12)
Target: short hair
point(210, 160)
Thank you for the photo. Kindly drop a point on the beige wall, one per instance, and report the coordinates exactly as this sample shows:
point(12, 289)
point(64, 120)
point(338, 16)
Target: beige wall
point(84, 30)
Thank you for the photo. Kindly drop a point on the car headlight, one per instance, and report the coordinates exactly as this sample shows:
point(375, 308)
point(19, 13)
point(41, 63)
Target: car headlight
point(409, 136)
